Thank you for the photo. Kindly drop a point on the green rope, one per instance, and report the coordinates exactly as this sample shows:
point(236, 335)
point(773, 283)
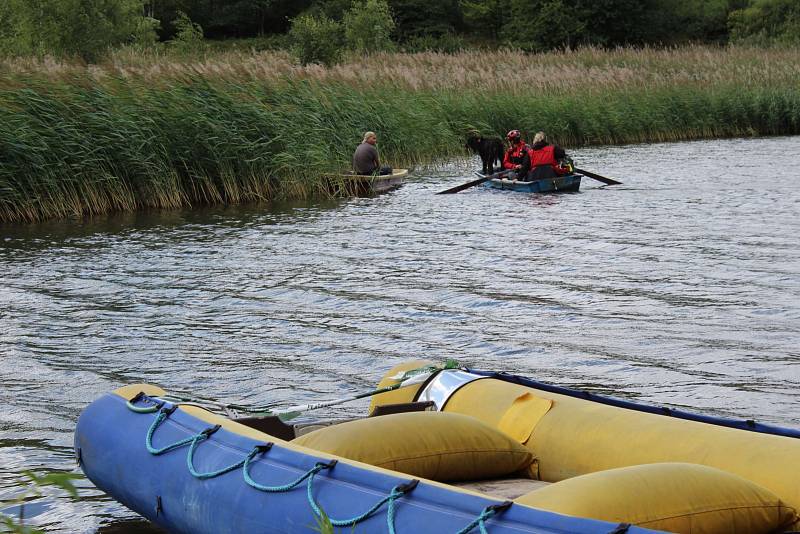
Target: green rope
point(319, 466)
point(144, 409)
point(193, 441)
point(160, 418)
point(396, 492)
point(485, 514)
point(204, 435)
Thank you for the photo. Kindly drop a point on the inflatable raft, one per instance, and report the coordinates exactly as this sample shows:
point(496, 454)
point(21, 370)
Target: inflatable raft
point(464, 451)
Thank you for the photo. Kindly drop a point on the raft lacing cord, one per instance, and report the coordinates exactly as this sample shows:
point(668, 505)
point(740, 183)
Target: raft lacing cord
point(193, 441)
point(486, 513)
point(397, 492)
point(156, 404)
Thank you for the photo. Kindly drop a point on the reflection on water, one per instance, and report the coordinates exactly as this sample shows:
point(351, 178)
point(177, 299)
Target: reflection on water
point(681, 287)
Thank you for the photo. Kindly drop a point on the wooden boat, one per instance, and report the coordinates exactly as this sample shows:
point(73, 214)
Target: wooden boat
point(590, 463)
point(350, 184)
point(559, 184)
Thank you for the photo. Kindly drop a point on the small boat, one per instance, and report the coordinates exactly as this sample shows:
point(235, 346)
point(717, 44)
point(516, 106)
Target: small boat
point(559, 184)
point(462, 451)
point(350, 184)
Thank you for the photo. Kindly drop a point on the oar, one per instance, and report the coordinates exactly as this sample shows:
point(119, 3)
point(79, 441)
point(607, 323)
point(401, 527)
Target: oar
point(597, 177)
point(479, 181)
point(408, 378)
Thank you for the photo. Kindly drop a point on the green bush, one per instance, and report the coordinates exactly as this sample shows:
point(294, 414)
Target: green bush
point(368, 26)
point(448, 43)
point(188, 34)
point(84, 28)
point(316, 39)
point(766, 22)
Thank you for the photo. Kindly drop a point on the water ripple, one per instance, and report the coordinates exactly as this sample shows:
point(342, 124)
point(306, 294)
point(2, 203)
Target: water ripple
point(680, 287)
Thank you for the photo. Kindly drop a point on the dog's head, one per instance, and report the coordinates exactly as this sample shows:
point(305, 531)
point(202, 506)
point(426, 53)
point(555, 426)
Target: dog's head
point(474, 142)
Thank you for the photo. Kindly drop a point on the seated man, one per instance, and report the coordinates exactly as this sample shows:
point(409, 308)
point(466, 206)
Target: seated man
point(518, 155)
point(544, 159)
point(365, 158)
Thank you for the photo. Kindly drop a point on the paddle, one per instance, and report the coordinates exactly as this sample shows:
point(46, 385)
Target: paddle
point(407, 378)
point(479, 181)
point(597, 177)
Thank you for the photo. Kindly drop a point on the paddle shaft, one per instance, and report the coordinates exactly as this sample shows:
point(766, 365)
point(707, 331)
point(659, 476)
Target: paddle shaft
point(407, 378)
point(473, 183)
point(316, 406)
point(597, 177)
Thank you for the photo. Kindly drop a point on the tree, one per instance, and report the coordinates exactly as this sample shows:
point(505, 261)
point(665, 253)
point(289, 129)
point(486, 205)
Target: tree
point(484, 17)
point(766, 22)
point(416, 18)
point(538, 25)
point(86, 28)
point(316, 39)
point(188, 34)
point(368, 26)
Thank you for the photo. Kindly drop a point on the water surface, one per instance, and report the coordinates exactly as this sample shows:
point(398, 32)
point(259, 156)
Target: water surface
point(680, 287)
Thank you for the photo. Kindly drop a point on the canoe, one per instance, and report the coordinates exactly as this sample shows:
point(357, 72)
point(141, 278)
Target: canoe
point(592, 463)
point(560, 184)
point(350, 184)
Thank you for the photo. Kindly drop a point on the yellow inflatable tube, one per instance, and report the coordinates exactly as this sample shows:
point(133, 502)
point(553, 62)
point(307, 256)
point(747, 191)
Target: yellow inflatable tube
point(570, 436)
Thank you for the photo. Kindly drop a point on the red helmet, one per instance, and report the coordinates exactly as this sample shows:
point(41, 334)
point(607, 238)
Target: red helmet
point(514, 135)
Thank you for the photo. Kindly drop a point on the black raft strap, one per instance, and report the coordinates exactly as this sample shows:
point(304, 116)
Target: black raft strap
point(622, 528)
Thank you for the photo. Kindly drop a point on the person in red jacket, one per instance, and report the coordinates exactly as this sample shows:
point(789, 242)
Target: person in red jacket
point(545, 158)
point(518, 156)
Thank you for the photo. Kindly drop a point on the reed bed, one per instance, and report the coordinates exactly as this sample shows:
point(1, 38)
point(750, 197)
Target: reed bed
point(156, 131)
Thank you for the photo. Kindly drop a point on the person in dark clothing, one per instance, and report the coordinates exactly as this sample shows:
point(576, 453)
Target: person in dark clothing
point(545, 158)
point(518, 155)
point(365, 158)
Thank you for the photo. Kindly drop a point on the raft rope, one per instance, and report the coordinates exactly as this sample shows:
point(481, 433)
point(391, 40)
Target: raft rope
point(486, 513)
point(193, 441)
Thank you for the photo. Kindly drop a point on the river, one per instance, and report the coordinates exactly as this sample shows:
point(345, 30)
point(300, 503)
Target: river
point(680, 287)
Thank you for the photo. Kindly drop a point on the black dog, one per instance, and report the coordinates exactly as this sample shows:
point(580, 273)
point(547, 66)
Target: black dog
point(490, 149)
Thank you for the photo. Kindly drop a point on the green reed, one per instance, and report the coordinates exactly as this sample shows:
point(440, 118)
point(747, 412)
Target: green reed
point(244, 128)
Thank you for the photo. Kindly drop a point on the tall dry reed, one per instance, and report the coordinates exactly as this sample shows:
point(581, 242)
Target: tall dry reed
point(152, 130)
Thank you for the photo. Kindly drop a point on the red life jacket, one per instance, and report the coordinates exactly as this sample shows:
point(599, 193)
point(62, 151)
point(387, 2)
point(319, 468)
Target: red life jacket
point(515, 155)
point(545, 156)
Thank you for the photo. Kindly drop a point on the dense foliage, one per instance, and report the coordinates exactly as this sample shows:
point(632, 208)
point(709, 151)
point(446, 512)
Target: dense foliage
point(88, 28)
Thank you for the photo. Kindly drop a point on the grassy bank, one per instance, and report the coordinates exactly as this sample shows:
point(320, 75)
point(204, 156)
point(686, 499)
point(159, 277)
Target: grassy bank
point(152, 131)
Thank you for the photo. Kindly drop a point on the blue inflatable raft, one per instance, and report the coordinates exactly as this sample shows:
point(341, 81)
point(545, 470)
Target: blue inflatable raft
point(190, 470)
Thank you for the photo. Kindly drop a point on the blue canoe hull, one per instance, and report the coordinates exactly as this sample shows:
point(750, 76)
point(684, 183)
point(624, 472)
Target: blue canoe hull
point(110, 442)
point(561, 184)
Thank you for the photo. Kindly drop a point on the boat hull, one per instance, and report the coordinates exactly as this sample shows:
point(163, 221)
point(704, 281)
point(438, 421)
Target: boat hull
point(562, 184)
point(365, 185)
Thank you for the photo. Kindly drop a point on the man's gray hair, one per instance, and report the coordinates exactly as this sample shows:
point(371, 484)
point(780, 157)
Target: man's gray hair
point(367, 135)
point(539, 137)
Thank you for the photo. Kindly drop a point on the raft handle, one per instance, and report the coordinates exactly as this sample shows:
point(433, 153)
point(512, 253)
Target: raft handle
point(261, 449)
point(327, 465)
point(210, 430)
point(501, 507)
point(408, 486)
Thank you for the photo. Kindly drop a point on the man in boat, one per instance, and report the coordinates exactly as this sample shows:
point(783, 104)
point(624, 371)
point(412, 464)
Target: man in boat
point(365, 158)
point(518, 156)
point(545, 159)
